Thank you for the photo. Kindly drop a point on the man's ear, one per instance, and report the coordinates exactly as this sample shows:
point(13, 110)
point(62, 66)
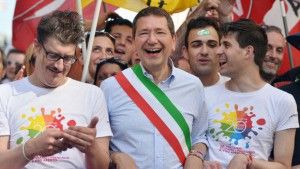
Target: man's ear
point(184, 52)
point(79, 55)
point(249, 52)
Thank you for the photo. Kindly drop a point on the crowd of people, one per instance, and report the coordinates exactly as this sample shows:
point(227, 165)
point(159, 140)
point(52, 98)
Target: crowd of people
point(201, 97)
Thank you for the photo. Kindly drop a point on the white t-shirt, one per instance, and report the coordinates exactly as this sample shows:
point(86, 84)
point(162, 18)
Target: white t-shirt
point(222, 79)
point(246, 122)
point(26, 110)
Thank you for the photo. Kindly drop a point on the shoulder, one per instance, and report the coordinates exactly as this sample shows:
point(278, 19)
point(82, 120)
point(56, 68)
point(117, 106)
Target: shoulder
point(279, 97)
point(14, 87)
point(87, 88)
point(112, 83)
point(185, 77)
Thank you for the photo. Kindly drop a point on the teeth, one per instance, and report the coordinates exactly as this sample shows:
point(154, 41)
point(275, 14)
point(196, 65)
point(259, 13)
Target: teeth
point(153, 50)
point(120, 51)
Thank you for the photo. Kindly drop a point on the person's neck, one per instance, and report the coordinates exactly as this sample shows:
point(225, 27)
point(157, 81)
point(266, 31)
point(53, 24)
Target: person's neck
point(159, 74)
point(34, 80)
point(246, 82)
point(210, 79)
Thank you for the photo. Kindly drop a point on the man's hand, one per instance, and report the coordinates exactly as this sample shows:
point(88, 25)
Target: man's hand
point(20, 73)
point(80, 137)
point(238, 161)
point(212, 165)
point(45, 144)
point(122, 161)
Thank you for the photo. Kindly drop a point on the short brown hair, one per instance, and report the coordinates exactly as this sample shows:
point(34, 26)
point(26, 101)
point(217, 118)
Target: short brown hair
point(156, 12)
point(65, 26)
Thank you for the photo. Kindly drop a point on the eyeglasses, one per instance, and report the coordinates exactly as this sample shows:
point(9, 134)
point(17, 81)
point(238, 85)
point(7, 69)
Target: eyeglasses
point(55, 57)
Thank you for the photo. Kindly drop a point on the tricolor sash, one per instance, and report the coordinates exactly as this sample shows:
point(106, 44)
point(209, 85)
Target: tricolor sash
point(158, 108)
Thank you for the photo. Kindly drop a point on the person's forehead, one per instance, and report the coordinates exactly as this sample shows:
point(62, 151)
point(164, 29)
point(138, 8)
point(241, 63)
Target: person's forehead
point(16, 56)
point(275, 38)
point(206, 33)
point(103, 41)
point(109, 67)
point(230, 37)
point(152, 20)
point(121, 29)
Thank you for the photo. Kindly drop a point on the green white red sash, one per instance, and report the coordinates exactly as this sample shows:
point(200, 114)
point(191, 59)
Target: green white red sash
point(158, 108)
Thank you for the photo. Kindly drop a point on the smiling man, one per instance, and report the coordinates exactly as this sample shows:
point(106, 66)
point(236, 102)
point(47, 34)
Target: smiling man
point(102, 48)
point(247, 116)
point(274, 55)
point(48, 120)
point(157, 112)
point(121, 29)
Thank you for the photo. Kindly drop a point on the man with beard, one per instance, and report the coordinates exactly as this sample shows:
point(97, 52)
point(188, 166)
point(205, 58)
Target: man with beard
point(274, 55)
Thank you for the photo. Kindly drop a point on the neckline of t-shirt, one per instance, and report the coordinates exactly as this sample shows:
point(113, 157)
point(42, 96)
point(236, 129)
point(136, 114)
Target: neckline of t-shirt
point(38, 88)
point(262, 89)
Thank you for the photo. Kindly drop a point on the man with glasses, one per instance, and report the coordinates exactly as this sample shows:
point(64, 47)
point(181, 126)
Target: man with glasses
point(15, 61)
point(48, 120)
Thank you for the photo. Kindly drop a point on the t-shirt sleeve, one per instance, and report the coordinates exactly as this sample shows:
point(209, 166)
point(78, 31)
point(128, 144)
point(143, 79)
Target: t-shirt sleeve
point(103, 125)
point(288, 115)
point(200, 123)
point(4, 127)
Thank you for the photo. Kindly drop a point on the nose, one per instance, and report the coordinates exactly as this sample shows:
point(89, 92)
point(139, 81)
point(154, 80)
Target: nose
point(59, 65)
point(101, 55)
point(271, 53)
point(204, 50)
point(122, 41)
point(152, 39)
point(220, 50)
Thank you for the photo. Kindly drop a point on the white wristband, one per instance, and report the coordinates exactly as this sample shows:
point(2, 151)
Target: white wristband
point(23, 152)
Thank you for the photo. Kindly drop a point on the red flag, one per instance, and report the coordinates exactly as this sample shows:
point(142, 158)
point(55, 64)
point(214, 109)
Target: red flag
point(268, 12)
point(29, 12)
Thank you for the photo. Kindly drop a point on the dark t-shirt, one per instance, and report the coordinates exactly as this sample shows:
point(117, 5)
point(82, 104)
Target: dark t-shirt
point(294, 89)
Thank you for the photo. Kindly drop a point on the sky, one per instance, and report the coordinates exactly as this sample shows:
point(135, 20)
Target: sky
point(6, 17)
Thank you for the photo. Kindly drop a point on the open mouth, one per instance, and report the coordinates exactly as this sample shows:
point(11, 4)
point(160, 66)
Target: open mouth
point(120, 51)
point(203, 61)
point(54, 70)
point(153, 51)
point(222, 59)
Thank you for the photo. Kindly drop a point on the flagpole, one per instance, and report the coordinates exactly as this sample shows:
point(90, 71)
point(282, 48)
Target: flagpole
point(91, 40)
point(83, 47)
point(286, 31)
point(104, 7)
